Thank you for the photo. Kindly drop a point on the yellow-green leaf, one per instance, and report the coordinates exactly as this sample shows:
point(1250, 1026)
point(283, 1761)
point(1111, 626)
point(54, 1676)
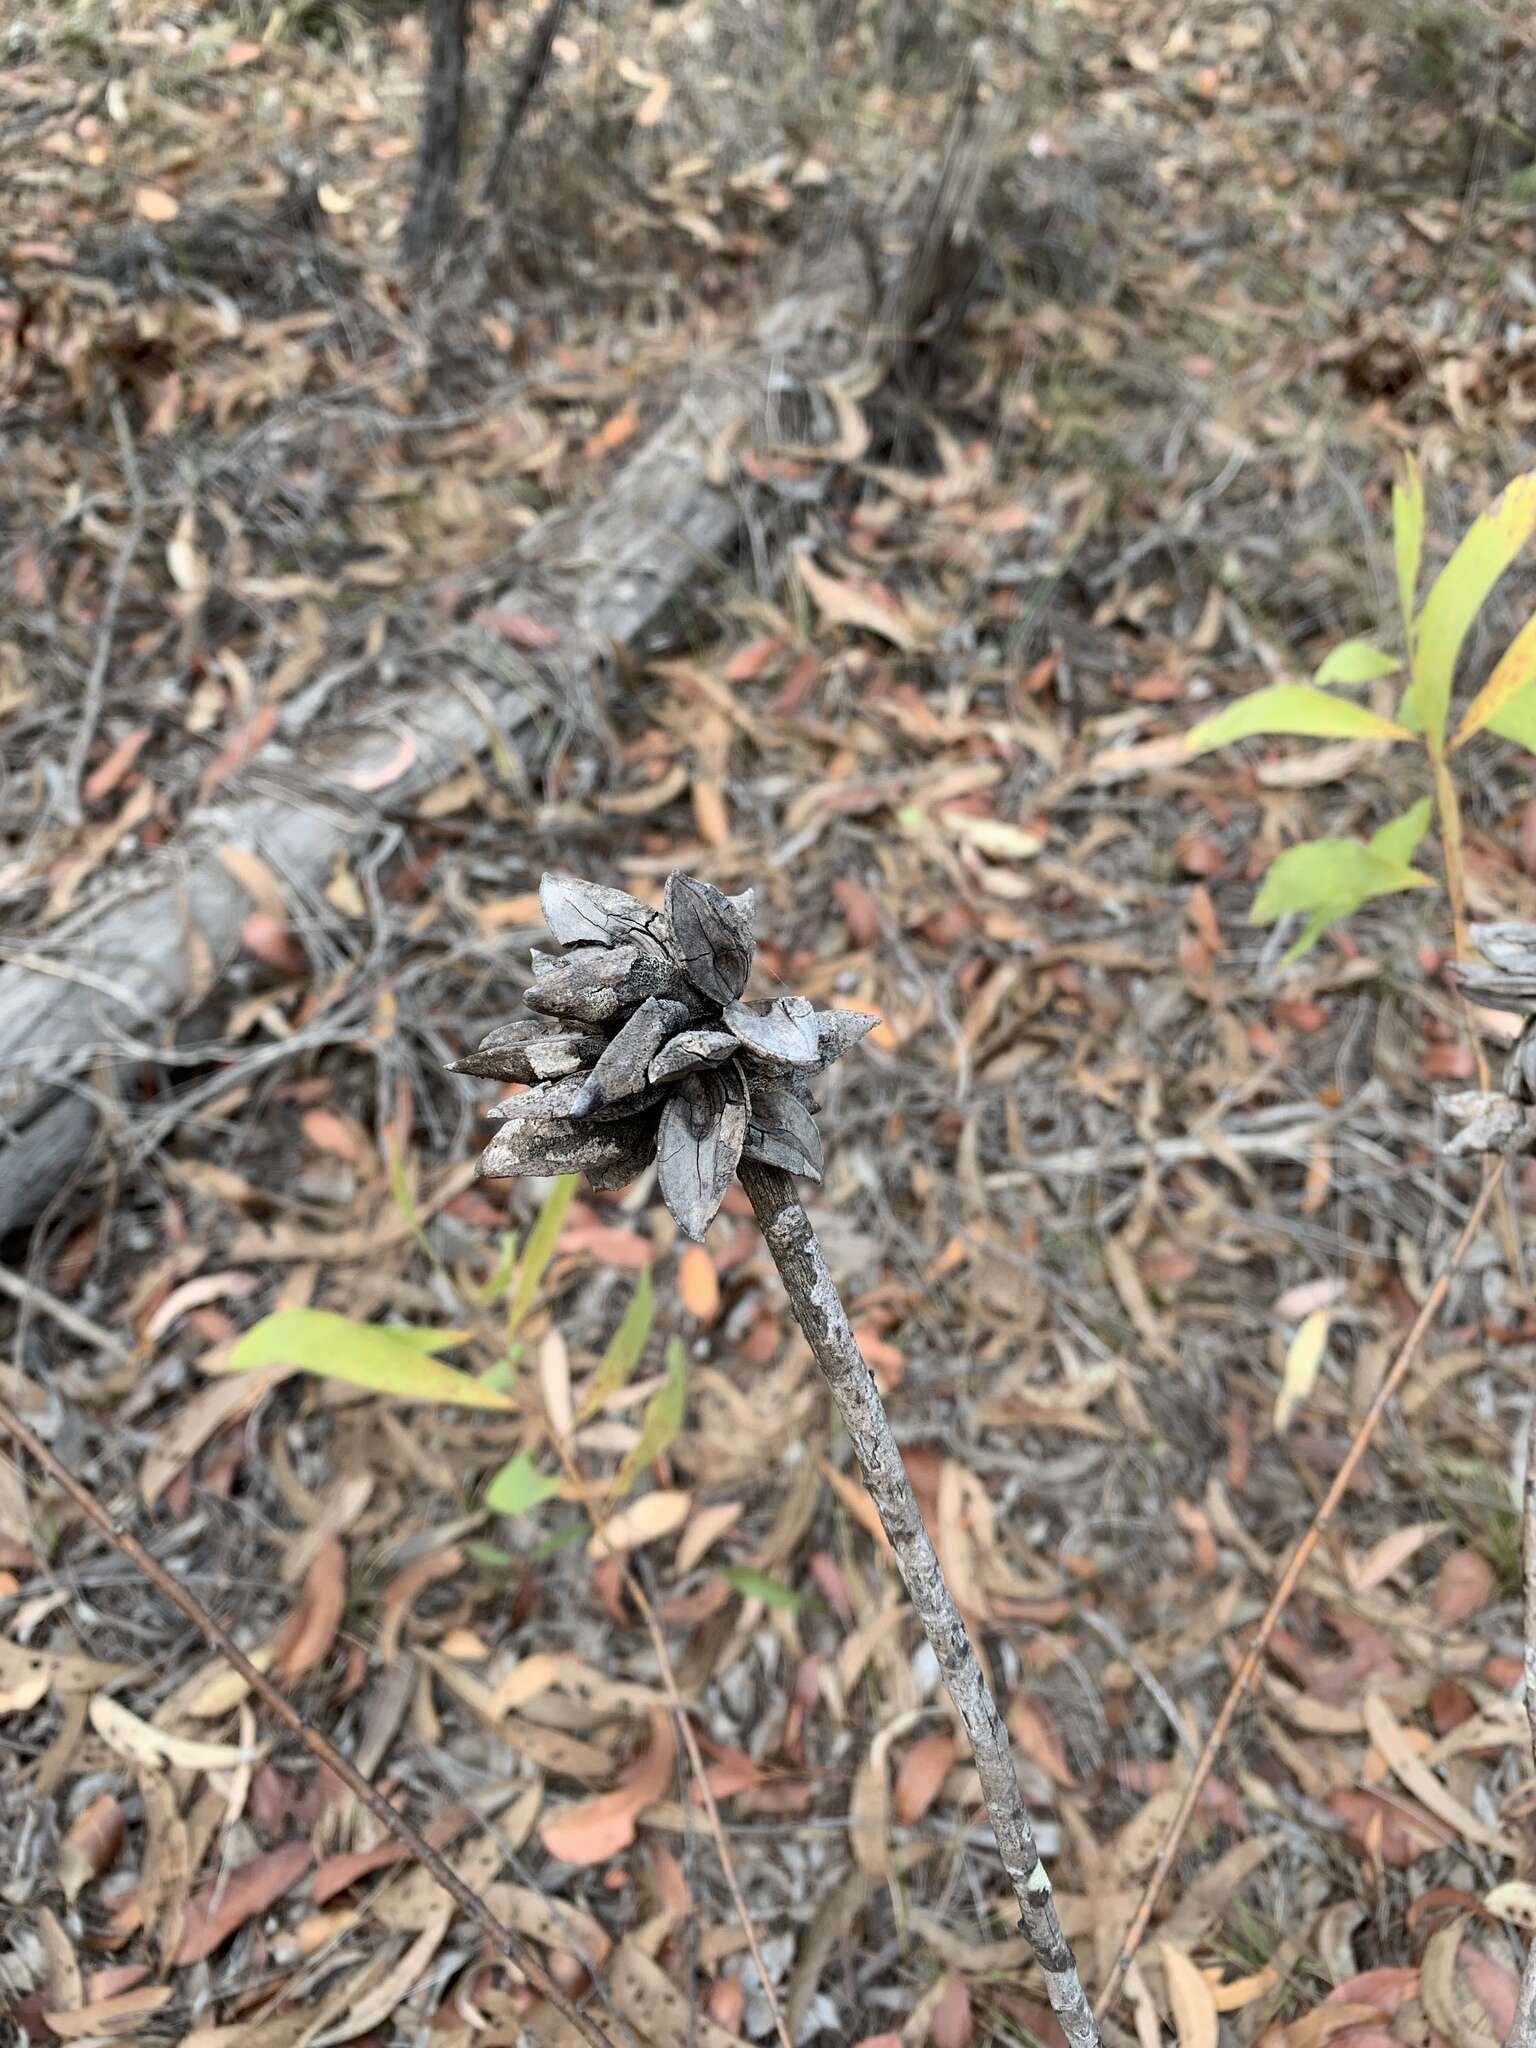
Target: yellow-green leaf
point(755, 1585)
point(1517, 721)
point(1398, 840)
point(1302, 1359)
point(1330, 874)
point(405, 1202)
point(1292, 708)
point(663, 1419)
point(1459, 592)
point(1408, 537)
point(371, 1355)
point(1356, 661)
point(540, 1248)
point(519, 1486)
point(623, 1353)
point(1514, 671)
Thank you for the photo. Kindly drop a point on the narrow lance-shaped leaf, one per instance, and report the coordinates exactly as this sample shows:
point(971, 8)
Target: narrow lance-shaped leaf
point(625, 1350)
point(371, 1355)
point(1514, 672)
point(663, 1419)
point(1356, 661)
point(540, 1249)
point(1458, 594)
point(405, 1202)
point(1408, 538)
point(501, 1278)
point(1292, 708)
point(1328, 878)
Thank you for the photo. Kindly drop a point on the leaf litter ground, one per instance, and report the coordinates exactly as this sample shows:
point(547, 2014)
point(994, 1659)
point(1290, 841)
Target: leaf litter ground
point(1087, 1187)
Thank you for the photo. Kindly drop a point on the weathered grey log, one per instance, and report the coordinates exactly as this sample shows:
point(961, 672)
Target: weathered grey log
point(122, 974)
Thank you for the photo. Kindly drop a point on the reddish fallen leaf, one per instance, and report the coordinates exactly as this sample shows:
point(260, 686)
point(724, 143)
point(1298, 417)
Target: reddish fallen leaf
point(107, 774)
point(1036, 1734)
point(235, 1897)
point(698, 1283)
point(951, 2025)
point(329, 1133)
point(380, 774)
point(920, 1774)
point(1386, 1989)
point(750, 661)
point(273, 943)
point(308, 1633)
point(1449, 1063)
point(1301, 1013)
point(520, 629)
point(1493, 1984)
point(727, 2003)
point(885, 1360)
point(596, 1830)
point(618, 428)
point(860, 911)
point(1462, 1586)
point(95, 1837)
point(232, 758)
point(1402, 1835)
point(609, 1244)
point(797, 686)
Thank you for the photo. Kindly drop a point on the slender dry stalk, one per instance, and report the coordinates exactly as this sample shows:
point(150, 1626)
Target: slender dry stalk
point(95, 682)
point(520, 92)
point(1523, 2033)
point(819, 1311)
point(512, 1944)
point(1295, 1566)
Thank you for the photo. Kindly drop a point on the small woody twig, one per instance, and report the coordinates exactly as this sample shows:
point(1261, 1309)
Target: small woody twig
point(512, 1944)
point(1429, 1308)
point(819, 1310)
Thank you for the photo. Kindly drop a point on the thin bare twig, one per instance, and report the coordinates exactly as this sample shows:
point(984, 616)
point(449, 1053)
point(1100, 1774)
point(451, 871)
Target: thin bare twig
point(818, 1308)
point(511, 1944)
point(1523, 2033)
point(39, 1301)
point(520, 97)
point(95, 682)
point(1429, 1308)
point(675, 1700)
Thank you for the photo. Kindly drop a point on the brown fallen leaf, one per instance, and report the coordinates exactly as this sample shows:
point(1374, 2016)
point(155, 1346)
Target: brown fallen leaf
point(136, 1739)
point(1195, 2017)
point(233, 1898)
point(698, 1283)
point(95, 1836)
point(596, 1830)
point(844, 604)
point(645, 1995)
point(109, 2016)
point(307, 1635)
point(921, 1773)
point(107, 774)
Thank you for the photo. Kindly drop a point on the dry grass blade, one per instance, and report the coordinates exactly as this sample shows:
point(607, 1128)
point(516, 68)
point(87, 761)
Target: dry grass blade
point(511, 1944)
point(1296, 1565)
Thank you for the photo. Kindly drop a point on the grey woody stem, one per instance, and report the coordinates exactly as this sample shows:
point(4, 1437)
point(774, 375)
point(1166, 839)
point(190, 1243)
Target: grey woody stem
point(819, 1311)
point(1523, 2033)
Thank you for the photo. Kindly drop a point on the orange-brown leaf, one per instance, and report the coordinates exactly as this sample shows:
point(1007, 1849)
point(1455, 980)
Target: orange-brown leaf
point(596, 1830)
point(920, 1774)
point(698, 1283)
point(310, 1630)
point(232, 1899)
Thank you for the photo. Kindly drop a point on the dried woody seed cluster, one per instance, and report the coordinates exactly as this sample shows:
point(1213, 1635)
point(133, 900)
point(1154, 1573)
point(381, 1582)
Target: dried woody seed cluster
point(1504, 979)
point(643, 1047)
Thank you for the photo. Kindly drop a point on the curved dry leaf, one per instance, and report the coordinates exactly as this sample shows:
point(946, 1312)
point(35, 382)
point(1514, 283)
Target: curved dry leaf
point(711, 936)
point(842, 604)
point(705, 1530)
point(1195, 2017)
point(645, 1520)
point(921, 1773)
point(598, 1829)
point(142, 1744)
point(1416, 1777)
point(94, 1839)
point(1514, 1902)
point(783, 1031)
point(198, 1419)
point(583, 913)
point(376, 1997)
point(1453, 2008)
point(307, 1635)
point(698, 1145)
point(106, 2018)
point(646, 1997)
point(237, 1896)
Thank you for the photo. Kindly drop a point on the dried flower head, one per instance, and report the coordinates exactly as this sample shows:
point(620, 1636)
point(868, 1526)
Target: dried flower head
point(644, 1047)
